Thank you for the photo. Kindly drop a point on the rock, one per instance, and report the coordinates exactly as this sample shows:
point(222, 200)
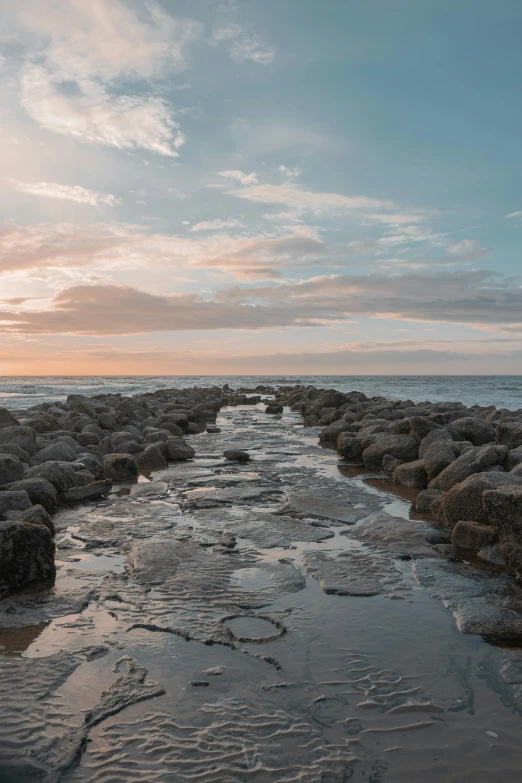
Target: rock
point(389, 463)
point(211, 428)
point(57, 452)
point(472, 535)
point(39, 490)
point(120, 467)
point(88, 439)
point(513, 458)
point(236, 455)
point(435, 436)
point(411, 474)
point(16, 451)
point(151, 459)
point(61, 475)
point(464, 500)
point(12, 500)
point(26, 553)
point(37, 515)
point(420, 426)
point(107, 422)
point(473, 461)
point(491, 554)
point(349, 448)
point(517, 470)
point(273, 408)
point(7, 419)
point(477, 431)
point(438, 456)
point(400, 446)
point(11, 469)
point(331, 433)
point(508, 433)
point(177, 450)
point(426, 498)
point(89, 462)
point(25, 437)
point(92, 491)
point(503, 510)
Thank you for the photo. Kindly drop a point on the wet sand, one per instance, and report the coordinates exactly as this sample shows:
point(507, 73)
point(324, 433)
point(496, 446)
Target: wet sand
point(303, 649)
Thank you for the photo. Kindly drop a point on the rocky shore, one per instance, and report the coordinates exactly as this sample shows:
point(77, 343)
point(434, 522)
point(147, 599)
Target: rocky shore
point(189, 509)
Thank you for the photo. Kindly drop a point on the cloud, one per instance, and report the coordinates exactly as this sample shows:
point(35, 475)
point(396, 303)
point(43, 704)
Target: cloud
point(75, 193)
point(244, 45)
point(290, 173)
point(89, 53)
point(514, 215)
point(296, 197)
point(468, 297)
point(215, 225)
point(244, 179)
point(469, 250)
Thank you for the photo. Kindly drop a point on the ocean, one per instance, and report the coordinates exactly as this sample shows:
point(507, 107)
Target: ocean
point(503, 391)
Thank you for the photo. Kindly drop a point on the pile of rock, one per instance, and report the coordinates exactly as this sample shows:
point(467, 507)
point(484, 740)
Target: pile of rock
point(73, 451)
point(466, 461)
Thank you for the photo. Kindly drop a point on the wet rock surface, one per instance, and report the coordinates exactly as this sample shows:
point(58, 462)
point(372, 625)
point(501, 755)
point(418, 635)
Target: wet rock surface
point(317, 611)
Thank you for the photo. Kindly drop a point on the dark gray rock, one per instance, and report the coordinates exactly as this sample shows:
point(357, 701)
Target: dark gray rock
point(472, 535)
point(11, 469)
point(39, 490)
point(37, 515)
point(120, 467)
point(508, 433)
point(349, 448)
point(435, 436)
point(26, 553)
point(273, 408)
point(7, 419)
point(236, 455)
point(411, 474)
point(61, 475)
point(438, 456)
point(426, 498)
point(12, 500)
point(56, 452)
point(473, 461)
point(151, 458)
point(16, 451)
point(177, 449)
point(92, 491)
point(420, 426)
point(477, 431)
point(464, 500)
point(400, 446)
point(22, 436)
point(503, 510)
point(331, 433)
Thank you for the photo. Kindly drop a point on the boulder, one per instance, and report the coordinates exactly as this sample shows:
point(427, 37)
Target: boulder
point(426, 498)
point(513, 458)
point(7, 419)
point(26, 553)
point(477, 431)
point(389, 463)
point(464, 500)
point(61, 475)
point(236, 455)
point(411, 474)
point(349, 448)
point(89, 462)
point(212, 428)
point(22, 436)
point(151, 458)
point(476, 460)
point(472, 535)
point(39, 490)
point(177, 449)
point(516, 471)
point(12, 500)
point(508, 433)
point(88, 439)
point(273, 408)
point(11, 469)
point(332, 432)
point(503, 510)
point(491, 554)
point(420, 426)
point(55, 452)
point(92, 491)
point(120, 467)
point(433, 437)
point(107, 422)
point(438, 456)
point(403, 447)
point(16, 451)
point(37, 515)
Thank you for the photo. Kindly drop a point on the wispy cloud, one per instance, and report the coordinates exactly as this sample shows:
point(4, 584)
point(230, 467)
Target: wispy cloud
point(75, 193)
point(469, 250)
point(217, 225)
point(244, 45)
point(240, 176)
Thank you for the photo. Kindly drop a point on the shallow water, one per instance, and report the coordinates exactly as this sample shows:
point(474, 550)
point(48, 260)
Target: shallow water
point(353, 673)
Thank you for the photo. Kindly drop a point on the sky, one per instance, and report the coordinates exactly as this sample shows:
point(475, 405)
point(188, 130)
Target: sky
point(260, 186)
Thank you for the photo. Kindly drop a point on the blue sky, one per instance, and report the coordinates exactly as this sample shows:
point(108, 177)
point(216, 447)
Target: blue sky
point(260, 186)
